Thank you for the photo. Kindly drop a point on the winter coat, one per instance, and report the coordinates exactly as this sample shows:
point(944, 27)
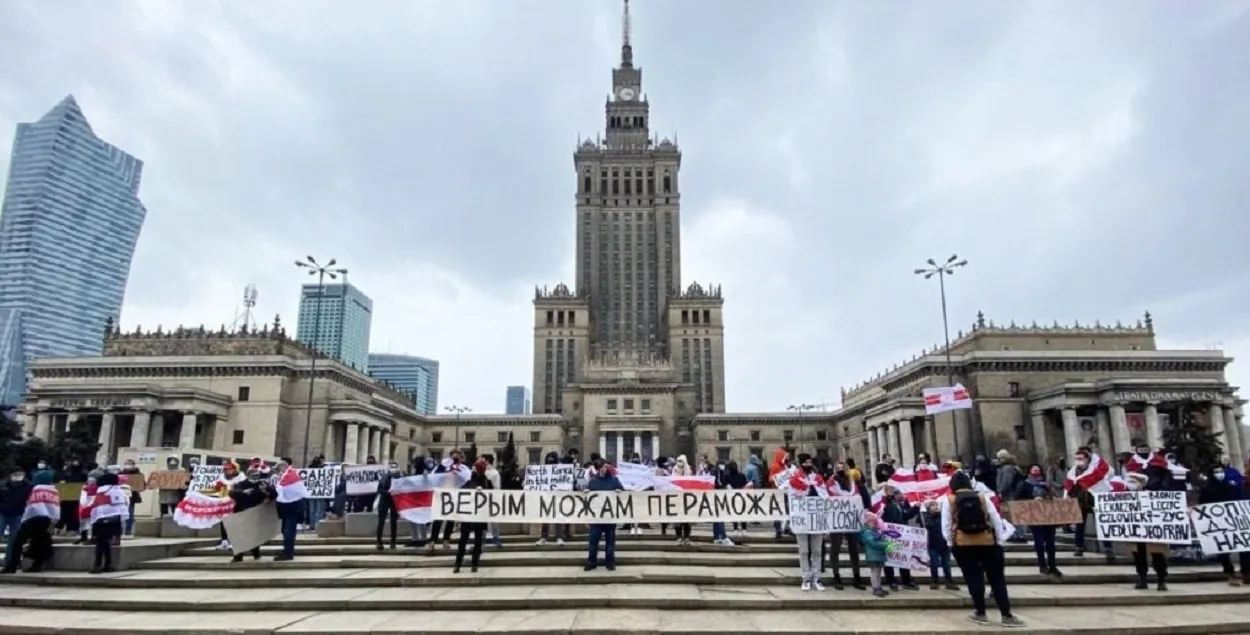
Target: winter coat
point(898, 513)
point(874, 545)
point(247, 494)
point(752, 472)
point(933, 526)
point(883, 472)
point(13, 497)
point(1214, 491)
point(1007, 479)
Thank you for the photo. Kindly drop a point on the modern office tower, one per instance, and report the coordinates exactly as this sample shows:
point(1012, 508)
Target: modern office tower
point(68, 227)
point(417, 376)
point(518, 401)
point(337, 322)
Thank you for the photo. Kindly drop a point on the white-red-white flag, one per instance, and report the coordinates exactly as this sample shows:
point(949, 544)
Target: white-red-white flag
point(946, 398)
point(291, 487)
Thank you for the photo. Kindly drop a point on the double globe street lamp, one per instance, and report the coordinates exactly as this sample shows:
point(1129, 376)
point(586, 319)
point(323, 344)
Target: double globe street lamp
point(941, 271)
point(322, 272)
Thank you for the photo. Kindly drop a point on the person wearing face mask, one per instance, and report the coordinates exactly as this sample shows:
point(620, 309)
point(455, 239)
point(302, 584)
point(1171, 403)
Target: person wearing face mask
point(43, 509)
point(386, 504)
point(168, 499)
point(843, 484)
point(719, 535)
point(129, 469)
point(421, 531)
point(682, 468)
point(1138, 460)
point(1087, 467)
point(1036, 487)
point(806, 481)
point(73, 473)
point(13, 495)
point(477, 481)
point(735, 479)
point(605, 480)
point(251, 491)
point(1219, 487)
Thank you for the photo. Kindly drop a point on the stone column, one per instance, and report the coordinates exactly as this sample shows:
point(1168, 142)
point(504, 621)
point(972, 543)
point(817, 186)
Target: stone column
point(351, 442)
point(375, 438)
point(1215, 422)
point(620, 447)
point(1071, 432)
point(874, 450)
point(43, 426)
point(906, 443)
point(893, 442)
point(603, 445)
point(156, 435)
point(655, 446)
point(1105, 447)
point(105, 439)
point(1119, 429)
point(362, 442)
point(327, 440)
point(1232, 428)
point(1154, 433)
point(186, 434)
point(1041, 452)
point(637, 443)
point(139, 431)
point(384, 445)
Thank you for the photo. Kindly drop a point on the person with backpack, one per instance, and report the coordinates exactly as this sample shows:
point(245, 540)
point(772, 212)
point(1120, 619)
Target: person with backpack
point(975, 532)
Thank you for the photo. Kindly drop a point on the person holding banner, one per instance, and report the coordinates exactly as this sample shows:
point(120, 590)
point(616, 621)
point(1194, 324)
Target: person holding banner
point(806, 481)
point(252, 491)
point(844, 484)
point(682, 468)
point(477, 480)
point(386, 504)
point(1036, 487)
point(605, 480)
point(1220, 487)
point(897, 510)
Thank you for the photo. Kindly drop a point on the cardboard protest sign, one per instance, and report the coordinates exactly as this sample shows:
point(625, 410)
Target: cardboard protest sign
point(252, 528)
point(635, 476)
point(558, 477)
point(1222, 527)
point(363, 480)
point(137, 482)
point(672, 506)
point(205, 476)
point(70, 492)
point(1055, 511)
point(907, 548)
point(168, 479)
point(1158, 517)
point(832, 515)
point(321, 481)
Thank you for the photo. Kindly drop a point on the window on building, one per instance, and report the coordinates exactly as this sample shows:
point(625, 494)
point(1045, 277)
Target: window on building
point(412, 433)
point(707, 316)
point(822, 453)
point(755, 435)
point(629, 406)
point(1013, 389)
point(437, 455)
point(722, 454)
point(645, 405)
point(237, 437)
point(788, 436)
point(534, 456)
point(245, 393)
point(756, 450)
point(470, 437)
point(722, 435)
point(501, 437)
point(436, 437)
point(612, 406)
point(822, 435)
point(535, 436)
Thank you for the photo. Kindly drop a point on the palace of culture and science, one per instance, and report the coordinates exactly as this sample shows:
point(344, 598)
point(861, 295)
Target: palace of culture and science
point(628, 359)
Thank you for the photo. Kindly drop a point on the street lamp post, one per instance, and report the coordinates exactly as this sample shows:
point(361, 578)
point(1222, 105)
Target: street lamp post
point(458, 410)
point(941, 271)
point(322, 272)
point(801, 408)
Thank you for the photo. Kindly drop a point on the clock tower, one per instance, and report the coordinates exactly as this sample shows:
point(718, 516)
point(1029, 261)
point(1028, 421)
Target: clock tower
point(627, 112)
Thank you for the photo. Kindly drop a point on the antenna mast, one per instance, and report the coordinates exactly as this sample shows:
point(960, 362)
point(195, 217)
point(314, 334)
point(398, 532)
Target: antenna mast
point(243, 316)
point(625, 25)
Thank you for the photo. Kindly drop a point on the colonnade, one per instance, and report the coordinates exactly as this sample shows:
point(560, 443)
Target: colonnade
point(895, 438)
point(1113, 432)
point(147, 428)
point(615, 441)
point(360, 441)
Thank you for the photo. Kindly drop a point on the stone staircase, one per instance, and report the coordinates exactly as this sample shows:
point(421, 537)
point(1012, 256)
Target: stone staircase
point(346, 586)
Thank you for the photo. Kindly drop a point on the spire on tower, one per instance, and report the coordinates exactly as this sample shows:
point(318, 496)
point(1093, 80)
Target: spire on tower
point(627, 51)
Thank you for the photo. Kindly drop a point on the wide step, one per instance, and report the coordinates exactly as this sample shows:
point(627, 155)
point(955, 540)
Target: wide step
point(1203, 619)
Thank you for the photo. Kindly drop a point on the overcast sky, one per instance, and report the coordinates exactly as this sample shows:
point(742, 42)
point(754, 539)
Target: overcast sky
point(1090, 159)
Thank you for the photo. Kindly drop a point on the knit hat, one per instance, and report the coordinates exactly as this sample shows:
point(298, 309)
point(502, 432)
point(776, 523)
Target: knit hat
point(1158, 460)
point(871, 519)
point(480, 466)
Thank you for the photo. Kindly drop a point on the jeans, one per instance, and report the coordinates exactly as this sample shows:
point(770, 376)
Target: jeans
point(467, 529)
point(130, 519)
point(835, 549)
point(979, 565)
point(904, 577)
point(1044, 545)
point(607, 533)
point(1079, 537)
point(683, 530)
point(718, 531)
point(420, 532)
point(939, 558)
point(291, 514)
point(317, 510)
point(562, 531)
point(809, 555)
point(386, 510)
point(38, 533)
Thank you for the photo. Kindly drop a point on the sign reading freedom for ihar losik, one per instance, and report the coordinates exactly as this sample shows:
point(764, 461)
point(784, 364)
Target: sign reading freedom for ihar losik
point(832, 515)
point(506, 506)
point(1158, 517)
point(1222, 527)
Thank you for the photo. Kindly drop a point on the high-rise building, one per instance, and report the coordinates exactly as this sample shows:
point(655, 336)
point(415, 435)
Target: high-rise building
point(70, 220)
point(629, 355)
point(337, 322)
point(518, 401)
point(417, 376)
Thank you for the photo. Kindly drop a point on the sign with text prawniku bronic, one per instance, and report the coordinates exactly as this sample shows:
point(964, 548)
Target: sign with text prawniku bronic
point(508, 506)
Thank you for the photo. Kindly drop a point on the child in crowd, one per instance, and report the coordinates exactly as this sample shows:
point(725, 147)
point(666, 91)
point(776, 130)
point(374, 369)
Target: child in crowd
point(939, 550)
point(874, 551)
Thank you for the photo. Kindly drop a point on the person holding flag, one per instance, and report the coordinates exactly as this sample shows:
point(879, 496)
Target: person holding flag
point(106, 509)
point(290, 496)
point(43, 510)
point(250, 492)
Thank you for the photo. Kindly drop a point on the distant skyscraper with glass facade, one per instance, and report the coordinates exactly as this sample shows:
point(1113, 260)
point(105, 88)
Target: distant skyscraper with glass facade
point(416, 376)
point(68, 227)
point(518, 401)
point(342, 330)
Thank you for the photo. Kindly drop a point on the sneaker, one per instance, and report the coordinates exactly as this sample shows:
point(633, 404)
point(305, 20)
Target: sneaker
point(1162, 586)
point(1011, 621)
point(541, 542)
point(951, 586)
point(880, 593)
point(807, 585)
point(911, 586)
point(979, 618)
point(1054, 571)
point(1079, 553)
point(933, 586)
point(224, 546)
point(725, 542)
point(818, 585)
point(1234, 580)
point(559, 542)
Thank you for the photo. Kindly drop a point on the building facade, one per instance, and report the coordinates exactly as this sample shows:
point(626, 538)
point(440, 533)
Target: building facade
point(70, 221)
point(416, 376)
point(336, 319)
point(517, 401)
point(628, 355)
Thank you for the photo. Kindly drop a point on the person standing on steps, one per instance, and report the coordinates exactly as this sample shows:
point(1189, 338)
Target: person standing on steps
point(250, 492)
point(1087, 470)
point(107, 508)
point(605, 480)
point(735, 479)
point(129, 469)
point(290, 497)
point(939, 551)
point(1220, 487)
point(806, 481)
point(874, 551)
point(975, 533)
point(563, 532)
point(844, 484)
point(1036, 487)
point(897, 510)
point(1156, 477)
point(13, 495)
point(386, 504)
point(421, 531)
point(492, 475)
point(682, 468)
point(43, 508)
point(477, 481)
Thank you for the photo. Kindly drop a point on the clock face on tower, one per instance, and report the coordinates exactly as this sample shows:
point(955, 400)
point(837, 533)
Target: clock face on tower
point(626, 94)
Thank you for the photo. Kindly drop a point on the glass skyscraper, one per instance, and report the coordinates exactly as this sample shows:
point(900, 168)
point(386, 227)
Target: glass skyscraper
point(343, 328)
point(518, 401)
point(417, 376)
point(68, 228)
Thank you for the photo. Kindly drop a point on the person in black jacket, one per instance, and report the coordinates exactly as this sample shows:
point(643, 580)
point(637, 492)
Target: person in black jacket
point(1158, 479)
point(386, 504)
point(1219, 488)
point(844, 482)
point(896, 510)
point(1036, 487)
point(129, 469)
point(13, 495)
point(884, 470)
point(248, 493)
point(477, 480)
point(735, 479)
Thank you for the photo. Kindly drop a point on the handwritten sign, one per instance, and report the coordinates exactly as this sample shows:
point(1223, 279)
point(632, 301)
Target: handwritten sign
point(907, 547)
point(168, 479)
point(205, 476)
point(556, 477)
point(1222, 527)
point(832, 515)
point(321, 481)
point(1158, 517)
point(635, 477)
point(362, 480)
point(1056, 511)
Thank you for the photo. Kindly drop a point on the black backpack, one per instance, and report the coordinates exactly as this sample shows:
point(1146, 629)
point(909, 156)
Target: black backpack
point(970, 514)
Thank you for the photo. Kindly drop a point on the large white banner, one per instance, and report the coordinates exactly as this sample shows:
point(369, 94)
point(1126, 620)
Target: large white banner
point(675, 506)
point(635, 476)
point(363, 480)
point(1222, 527)
point(832, 515)
point(1158, 517)
point(946, 398)
point(556, 477)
